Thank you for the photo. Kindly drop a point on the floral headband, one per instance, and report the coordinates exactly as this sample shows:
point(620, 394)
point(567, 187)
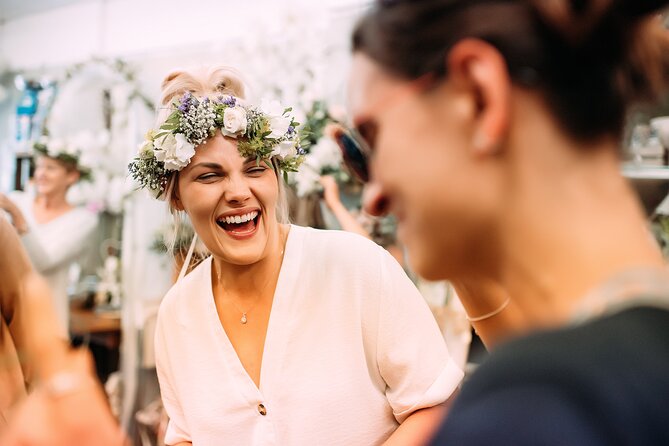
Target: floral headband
point(60, 150)
point(264, 133)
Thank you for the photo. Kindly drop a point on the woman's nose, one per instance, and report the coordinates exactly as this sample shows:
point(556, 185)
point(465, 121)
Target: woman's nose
point(238, 190)
point(374, 200)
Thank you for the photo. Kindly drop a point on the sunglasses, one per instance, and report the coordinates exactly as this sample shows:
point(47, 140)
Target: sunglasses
point(357, 143)
point(355, 151)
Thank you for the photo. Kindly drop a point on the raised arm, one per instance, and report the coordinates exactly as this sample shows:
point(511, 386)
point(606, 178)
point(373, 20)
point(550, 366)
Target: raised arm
point(47, 255)
point(331, 197)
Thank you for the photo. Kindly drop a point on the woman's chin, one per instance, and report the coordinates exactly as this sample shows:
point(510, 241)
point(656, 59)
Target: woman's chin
point(241, 252)
point(241, 257)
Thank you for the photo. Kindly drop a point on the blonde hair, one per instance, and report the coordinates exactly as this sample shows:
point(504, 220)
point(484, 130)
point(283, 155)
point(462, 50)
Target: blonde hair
point(208, 81)
point(202, 81)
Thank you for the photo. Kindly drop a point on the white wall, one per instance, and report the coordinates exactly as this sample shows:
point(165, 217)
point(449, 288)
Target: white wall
point(136, 27)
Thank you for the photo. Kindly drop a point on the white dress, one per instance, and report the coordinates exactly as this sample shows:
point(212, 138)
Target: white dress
point(351, 351)
point(54, 246)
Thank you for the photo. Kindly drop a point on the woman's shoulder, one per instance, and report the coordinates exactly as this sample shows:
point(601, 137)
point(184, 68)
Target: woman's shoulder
point(180, 296)
point(336, 241)
point(344, 254)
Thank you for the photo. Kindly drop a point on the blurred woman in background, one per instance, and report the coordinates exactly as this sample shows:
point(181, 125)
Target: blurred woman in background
point(53, 231)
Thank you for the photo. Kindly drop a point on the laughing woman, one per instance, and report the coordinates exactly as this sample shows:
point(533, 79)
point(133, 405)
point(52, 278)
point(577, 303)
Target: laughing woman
point(285, 335)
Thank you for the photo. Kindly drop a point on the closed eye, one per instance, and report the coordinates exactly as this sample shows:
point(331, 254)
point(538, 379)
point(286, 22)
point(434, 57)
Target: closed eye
point(256, 170)
point(207, 176)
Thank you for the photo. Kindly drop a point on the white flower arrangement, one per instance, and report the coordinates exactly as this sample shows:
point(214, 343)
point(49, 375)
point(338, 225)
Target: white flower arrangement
point(264, 133)
point(324, 158)
point(173, 150)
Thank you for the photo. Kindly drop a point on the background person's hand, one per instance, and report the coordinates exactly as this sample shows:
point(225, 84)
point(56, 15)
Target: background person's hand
point(79, 415)
point(330, 191)
point(68, 406)
point(14, 212)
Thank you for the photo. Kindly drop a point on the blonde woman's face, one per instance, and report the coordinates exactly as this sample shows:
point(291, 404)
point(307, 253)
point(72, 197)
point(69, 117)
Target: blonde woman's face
point(231, 201)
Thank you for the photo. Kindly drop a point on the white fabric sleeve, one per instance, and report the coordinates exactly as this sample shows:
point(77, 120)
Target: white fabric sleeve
point(411, 352)
point(50, 254)
point(177, 430)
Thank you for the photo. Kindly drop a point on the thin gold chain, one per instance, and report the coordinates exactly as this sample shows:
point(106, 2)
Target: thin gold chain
point(244, 319)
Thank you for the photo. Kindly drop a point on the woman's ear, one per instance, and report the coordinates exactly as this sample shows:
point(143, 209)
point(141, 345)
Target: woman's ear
point(480, 68)
point(72, 177)
point(172, 193)
point(176, 202)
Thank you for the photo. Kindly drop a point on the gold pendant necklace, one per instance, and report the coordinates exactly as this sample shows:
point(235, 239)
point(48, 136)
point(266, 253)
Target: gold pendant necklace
point(244, 320)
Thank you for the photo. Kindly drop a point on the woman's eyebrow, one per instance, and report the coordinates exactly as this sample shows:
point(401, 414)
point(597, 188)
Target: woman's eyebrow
point(209, 165)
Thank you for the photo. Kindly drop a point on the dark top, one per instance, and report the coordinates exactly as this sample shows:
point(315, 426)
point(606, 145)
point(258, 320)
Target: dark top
point(602, 383)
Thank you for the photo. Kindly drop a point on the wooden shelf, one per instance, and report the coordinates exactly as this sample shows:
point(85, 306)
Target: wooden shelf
point(650, 182)
point(641, 172)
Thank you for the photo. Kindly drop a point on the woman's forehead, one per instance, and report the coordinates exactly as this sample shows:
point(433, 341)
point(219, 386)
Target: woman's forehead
point(219, 150)
point(47, 160)
point(367, 83)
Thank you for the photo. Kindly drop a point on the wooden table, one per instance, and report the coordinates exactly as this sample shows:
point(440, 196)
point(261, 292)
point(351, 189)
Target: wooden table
point(84, 321)
point(102, 332)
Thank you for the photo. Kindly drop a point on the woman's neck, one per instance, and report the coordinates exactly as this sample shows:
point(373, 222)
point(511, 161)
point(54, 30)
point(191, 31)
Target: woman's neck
point(576, 224)
point(52, 202)
point(246, 282)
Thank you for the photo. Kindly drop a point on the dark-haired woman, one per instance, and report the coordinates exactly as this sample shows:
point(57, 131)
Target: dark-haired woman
point(494, 127)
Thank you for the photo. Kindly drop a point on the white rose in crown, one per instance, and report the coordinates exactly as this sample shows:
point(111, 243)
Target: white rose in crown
point(234, 121)
point(71, 150)
point(285, 149)
point(88, 160)
point(173, 150)
point(55, 147)
point(145, 150)
point(278, 123)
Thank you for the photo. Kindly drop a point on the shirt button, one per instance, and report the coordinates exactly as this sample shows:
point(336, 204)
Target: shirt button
point(262, 410)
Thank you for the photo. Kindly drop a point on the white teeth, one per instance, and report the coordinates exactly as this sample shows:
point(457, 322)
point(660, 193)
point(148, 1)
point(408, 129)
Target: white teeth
point(237, 219)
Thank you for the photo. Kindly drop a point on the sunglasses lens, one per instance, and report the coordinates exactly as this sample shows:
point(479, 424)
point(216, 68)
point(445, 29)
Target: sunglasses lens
point(353, 155)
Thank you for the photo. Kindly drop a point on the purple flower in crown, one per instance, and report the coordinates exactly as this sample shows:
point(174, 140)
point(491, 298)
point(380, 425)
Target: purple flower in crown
point(186, 102)
point(291, 130)
point(300, 150)
point(230, 101)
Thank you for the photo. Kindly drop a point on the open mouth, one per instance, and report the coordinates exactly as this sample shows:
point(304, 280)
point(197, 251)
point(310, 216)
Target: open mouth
point(240, 224)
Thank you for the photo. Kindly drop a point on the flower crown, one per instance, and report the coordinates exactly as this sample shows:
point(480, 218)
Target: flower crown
point(264, 133)
point(61, 150)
